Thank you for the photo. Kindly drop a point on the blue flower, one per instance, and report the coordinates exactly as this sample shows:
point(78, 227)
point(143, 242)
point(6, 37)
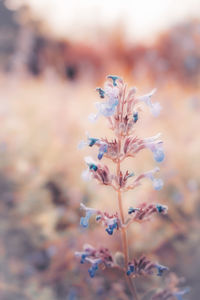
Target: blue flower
point(83, 257)
point(111, 227)
point(156, 147)
point(101, 92)
point(107, 109)
point(92, 270)
point(160, 269)
point(93, 167)
point(98, 218)
point(114, 79)
point(154, 107)
point(158, 153)
point(132, 210)
point(135, 117)
point(157, 182)
point(161, 208)
point(130, 270)
point(84, 221)
point(90, 142)
point(102, 150)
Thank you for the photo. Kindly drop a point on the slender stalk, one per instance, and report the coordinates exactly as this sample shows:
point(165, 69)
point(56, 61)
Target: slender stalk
point(123, 230)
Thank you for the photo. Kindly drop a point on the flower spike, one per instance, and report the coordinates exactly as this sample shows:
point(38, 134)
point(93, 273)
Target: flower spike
point(122, 109)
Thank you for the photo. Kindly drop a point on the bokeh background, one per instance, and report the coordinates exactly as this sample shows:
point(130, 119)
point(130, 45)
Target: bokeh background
point(52, 56)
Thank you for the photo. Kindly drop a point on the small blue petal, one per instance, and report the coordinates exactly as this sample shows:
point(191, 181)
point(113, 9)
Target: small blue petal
point(135, 117)
point(102, 149)
point(114, 79)
point(131, 210)
point(93, 270)
point(93, 167)
point(101, 92)
point(159, 155)
point(161, 269)
point(109, 231)
point(83, 256)
point(157, 184)
point(131, 269)
point(100, 155)
point(92, 141)
point(160, 208)
point(98, 218)
point(91, 273)
point(84, 222)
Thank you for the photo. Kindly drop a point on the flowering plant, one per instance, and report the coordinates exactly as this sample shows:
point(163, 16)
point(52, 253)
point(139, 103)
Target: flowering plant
point(122, 110)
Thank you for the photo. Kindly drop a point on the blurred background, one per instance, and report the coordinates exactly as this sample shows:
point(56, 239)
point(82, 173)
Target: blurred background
point(53, 54)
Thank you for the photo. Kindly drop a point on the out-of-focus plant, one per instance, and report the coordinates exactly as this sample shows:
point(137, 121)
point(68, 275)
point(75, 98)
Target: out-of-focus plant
point(122, 109)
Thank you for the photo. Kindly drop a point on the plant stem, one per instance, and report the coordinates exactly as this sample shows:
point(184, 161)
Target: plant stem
point(123, 230)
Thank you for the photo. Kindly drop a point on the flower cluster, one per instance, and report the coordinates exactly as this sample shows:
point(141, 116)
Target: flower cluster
point(111, 222)
point(95, 257)
point(122, 109)
point(143, 266)
point(144, 211)
point(133, 145)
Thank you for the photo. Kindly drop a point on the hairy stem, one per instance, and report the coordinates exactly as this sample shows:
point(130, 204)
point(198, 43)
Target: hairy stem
point(123, 230)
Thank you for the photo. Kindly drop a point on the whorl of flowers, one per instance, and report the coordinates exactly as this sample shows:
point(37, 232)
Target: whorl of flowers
point(122, 109)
